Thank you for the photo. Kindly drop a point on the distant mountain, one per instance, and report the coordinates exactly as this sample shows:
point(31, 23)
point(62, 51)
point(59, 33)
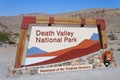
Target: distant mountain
point(94, 36)
point(3, 28)
point(13, 23)
point(111, 16)
point(35, 50)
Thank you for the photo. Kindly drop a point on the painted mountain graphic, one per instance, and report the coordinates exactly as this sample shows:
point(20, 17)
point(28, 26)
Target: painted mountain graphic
point(35, 50)
point(94, 36)
point(56, 53)
point(84, 48)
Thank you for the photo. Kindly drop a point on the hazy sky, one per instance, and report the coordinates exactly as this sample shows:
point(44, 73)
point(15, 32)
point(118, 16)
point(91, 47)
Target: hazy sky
point(16, 7)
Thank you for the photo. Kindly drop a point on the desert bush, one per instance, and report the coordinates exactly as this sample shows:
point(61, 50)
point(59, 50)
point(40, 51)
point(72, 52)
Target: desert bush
point(4, 37)
point(112, 37)
point(14, 36)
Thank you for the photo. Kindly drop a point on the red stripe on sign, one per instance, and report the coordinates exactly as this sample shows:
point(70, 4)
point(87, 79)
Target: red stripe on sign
point(82, 22)
point(101, 22)
point(27, 20)
point(51, 20)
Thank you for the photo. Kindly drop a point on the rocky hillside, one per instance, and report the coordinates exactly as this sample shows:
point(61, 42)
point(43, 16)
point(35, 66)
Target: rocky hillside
point(111, 16)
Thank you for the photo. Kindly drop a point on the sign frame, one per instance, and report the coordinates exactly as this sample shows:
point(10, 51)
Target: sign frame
point(27, 20)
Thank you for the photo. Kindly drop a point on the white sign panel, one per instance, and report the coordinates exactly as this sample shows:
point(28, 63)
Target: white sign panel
point(49, 45)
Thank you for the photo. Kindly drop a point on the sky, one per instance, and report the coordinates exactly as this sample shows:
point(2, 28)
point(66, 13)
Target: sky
point(17, 7)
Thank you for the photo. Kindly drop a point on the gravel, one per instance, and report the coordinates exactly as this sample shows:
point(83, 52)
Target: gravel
point(7, 57)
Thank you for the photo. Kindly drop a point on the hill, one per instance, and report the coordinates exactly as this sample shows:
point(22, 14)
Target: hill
point(111, 17)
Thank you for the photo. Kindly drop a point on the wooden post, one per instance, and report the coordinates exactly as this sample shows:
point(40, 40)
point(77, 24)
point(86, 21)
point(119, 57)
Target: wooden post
point(20, 48)
point(23, 33)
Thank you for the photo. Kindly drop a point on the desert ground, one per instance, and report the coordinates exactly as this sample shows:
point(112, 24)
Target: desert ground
point(7, 57)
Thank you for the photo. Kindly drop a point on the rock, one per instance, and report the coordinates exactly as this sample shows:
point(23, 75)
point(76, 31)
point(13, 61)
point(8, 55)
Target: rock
point(10, 74)
point(112, 64)
point(28, 71)
point(75, 62)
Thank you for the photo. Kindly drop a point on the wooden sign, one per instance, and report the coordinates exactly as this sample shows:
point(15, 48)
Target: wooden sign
point(44, 37)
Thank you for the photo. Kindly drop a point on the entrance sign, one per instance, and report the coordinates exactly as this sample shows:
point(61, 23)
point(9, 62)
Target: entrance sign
point(52, 44)
point(49, 45)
